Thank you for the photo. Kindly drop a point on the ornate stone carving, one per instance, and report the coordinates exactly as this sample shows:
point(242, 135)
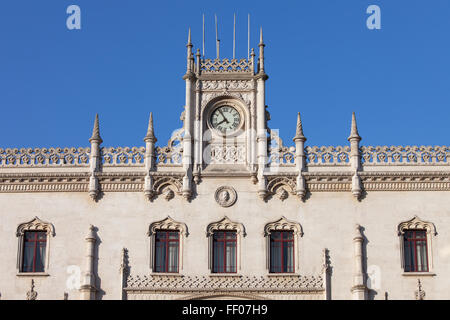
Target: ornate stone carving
point(279, 155)
point(35, 224)
point(44, 157)
point(419, 293)
point(219, 85)
point(123, 156)
point(31, 294)
point(225, 224)
point(336, 156)
point(168, 224)
point(416, 223)
point(225, 196)
point(173, 152)
point(281, 185)
point(405, 155)
point(209, 96)
point(283, 224)
point(226, 66)
point(226, 154)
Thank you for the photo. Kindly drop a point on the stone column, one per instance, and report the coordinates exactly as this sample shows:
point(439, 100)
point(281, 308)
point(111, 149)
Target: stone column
point(87, 289)
point(150, 141)
point(359, 289)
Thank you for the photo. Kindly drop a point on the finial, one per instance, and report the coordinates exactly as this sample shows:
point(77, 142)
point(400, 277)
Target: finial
point(354, 132)
point(150, 131)
point(261, 42)
point(96, 131)
point(358, 233)
point(299, 131)
point(91, 233)
point(253, 52)
point(189, 38)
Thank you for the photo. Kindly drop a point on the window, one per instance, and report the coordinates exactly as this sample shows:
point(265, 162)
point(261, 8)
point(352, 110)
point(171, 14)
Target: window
point(282, 245)
point(282, 252)
point(224, 238)
point(33, 253)
point(415, 246)
point(167, 246)
point(34, 246)
point(224, 252)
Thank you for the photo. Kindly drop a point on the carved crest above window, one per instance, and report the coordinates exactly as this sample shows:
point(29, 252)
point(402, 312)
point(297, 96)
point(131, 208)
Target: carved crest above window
point(35, 225)
point(283, 224)
point(168, 224)
point(417, 223)
point(225, 224)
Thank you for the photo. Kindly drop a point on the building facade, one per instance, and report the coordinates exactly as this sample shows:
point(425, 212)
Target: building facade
point(225, 210)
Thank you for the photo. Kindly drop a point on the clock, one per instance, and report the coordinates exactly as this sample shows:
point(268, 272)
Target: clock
point(225, 119)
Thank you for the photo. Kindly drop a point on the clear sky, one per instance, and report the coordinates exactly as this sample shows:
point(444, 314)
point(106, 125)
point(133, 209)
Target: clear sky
point(129, 58)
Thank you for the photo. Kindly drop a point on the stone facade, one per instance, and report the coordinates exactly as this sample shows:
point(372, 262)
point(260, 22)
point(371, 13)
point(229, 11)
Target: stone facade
point(348, 207)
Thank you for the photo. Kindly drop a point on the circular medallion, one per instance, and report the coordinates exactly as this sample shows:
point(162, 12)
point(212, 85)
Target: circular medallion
point(225, 196)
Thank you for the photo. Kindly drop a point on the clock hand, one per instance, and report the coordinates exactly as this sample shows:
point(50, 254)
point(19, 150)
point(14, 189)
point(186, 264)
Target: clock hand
point(224, 119)
point(220, 111)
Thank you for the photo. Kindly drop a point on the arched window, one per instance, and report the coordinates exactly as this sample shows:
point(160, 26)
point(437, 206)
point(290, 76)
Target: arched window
point(415, 243)
point(282, 245)
point(166, 243)
point(224, 245)
point(33, 247)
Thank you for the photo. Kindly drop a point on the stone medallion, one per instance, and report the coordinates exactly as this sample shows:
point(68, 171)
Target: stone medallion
point(225, 196)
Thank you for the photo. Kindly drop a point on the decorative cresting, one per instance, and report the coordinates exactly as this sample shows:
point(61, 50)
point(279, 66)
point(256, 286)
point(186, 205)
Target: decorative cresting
point(328, 156)
point(225, 196)
point(283, 224)
point(225, 224)
point(279, 155)
point(417, 223)
point(122, 156)
point(44, 157)
point(168, 224)
point(172, 154)
point(226, 66)
point(35, 224)
point(405, 155)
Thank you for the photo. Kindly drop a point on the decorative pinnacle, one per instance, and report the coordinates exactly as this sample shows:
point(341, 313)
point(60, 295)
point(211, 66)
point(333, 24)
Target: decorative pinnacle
point(96, 132)
point(150, 137)
point(189, 44)
point(354, 135)
point(299, 131)
point(261, 42)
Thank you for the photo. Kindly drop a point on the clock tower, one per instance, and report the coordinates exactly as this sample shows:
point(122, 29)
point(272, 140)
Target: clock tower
point(225, 118)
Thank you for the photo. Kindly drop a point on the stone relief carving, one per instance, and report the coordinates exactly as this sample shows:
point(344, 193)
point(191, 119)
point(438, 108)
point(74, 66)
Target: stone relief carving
point(419, 293)
point(225, 224)
point(227, 84)
point(226, 66)
point(283, 224)
point(31, 294)
point(122, 156)
point(337, 156)
point(35, 224)
point(225, 196)
point(283, 186)
point(168, 224)
point(404, 155)
point(226, 154)
point(416, 223)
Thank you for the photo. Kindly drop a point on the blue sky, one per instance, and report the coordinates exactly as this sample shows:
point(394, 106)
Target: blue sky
point(129, 58)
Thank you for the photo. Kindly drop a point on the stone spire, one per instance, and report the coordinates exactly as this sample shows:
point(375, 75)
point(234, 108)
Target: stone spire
point(96, 131)
point(190, 57)
point(150, 131)
point(354, 132)
point(261, 46)
point(299, 131)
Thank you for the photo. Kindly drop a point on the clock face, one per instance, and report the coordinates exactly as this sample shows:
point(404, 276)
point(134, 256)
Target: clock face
point(225, 119)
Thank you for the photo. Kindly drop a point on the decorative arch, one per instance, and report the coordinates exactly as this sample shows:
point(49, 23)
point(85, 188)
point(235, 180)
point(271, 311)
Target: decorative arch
point(412, 224)
point(283, 224)
point(225, 224)
point(281, 186)
point(416, 223)
point(168, 224)
point(168, 186)
point(35, 224)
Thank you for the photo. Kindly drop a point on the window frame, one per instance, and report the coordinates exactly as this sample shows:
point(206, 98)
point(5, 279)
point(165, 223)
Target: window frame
point(284, 224)
point(224, 241)
point(417, 224)
point(167, 240)
point(413, 242)
point(283, 241)
point(33, 225)
point(167, 224)
point(225, 224)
